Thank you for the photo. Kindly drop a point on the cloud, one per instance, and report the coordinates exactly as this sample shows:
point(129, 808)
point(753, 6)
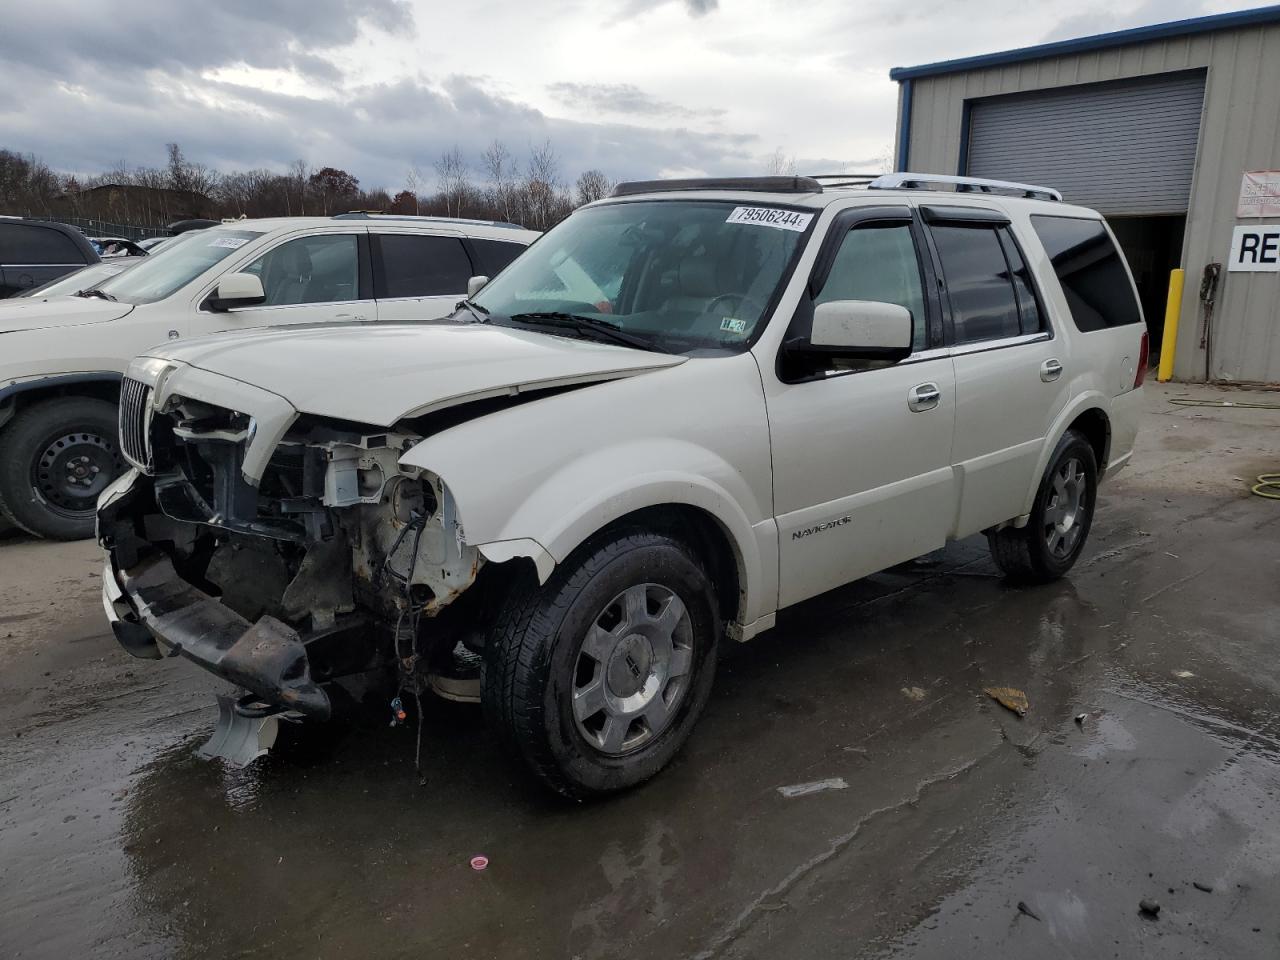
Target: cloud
point(695, 8)
point(375, 131)
point(1094, 22)
point(63, 39)
point(622, 98)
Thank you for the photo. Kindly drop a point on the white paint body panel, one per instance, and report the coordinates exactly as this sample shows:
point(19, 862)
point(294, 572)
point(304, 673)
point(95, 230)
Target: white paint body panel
point(764, 458)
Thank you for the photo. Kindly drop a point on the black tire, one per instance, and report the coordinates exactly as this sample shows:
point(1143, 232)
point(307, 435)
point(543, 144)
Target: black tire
point(56, 456)
point(534, 660)
point(1038, 553)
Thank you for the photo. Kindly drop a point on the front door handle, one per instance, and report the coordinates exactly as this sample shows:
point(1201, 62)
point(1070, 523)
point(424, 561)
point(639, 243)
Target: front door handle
point(349, 316)
point(923, 397)
point(1050, 370)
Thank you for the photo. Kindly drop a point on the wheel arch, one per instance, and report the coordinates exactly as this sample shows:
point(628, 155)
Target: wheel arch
point(97, 385)
point(691, 511)
point(1088, 414)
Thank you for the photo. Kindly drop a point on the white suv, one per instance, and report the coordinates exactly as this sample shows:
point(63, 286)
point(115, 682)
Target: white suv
point(685, 408)
point(61, 358)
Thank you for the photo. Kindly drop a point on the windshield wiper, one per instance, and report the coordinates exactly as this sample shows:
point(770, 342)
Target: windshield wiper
point(92, 292)
point(588, 325)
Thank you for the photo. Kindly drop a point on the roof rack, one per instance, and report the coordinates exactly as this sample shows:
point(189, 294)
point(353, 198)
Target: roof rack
point(374, 215)
point(752, 184)
point(926, 181)
point(844, 179)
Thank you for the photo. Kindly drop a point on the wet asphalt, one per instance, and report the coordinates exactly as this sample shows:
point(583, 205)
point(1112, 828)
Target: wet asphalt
point(962, 830)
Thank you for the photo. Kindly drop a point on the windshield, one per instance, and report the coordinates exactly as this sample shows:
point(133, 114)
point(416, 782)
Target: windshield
point(683, 274)
point(78, 280)
point(176, 264)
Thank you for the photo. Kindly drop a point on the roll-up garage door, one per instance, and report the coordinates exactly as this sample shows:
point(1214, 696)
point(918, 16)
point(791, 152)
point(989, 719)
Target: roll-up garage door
point(1124, 148)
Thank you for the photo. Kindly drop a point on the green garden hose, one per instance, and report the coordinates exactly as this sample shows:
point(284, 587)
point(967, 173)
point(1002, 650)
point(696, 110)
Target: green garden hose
point(1268, 484)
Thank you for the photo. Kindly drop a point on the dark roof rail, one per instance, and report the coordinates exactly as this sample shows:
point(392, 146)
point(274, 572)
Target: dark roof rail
point(411, 218)
point(750, 184)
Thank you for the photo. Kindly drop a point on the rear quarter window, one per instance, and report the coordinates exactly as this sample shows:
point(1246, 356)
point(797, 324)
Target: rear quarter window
point(1089, 268)
point(494, 255)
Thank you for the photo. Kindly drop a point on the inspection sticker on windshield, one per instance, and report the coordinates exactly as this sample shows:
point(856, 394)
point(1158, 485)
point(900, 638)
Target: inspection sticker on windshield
point(771, 217)
point(733, 325)
point(231, 243)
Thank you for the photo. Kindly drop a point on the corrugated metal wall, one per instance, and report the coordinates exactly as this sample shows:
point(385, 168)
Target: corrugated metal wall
point(1127, 147)
point(1240, 130)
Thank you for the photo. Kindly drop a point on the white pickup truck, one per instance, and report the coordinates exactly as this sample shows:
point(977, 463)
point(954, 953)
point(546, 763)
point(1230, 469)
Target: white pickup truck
point(61, 357)
point(683, 409)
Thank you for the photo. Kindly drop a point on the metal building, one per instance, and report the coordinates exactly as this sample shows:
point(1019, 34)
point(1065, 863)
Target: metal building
point(1172, 131)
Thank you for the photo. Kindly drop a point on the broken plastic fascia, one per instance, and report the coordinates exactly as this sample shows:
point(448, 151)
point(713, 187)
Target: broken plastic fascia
point(500, 551)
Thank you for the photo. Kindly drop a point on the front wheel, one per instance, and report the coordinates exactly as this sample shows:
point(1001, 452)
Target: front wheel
point(597, 677)
point(55, 458)
point(1051, 542)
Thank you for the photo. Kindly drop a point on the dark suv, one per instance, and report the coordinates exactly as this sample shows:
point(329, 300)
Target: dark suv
point(33, 252)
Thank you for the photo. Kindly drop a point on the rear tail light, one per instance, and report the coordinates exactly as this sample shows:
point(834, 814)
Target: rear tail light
point(1144, 353)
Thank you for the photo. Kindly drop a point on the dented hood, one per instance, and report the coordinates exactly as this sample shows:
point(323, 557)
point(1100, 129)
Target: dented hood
point(33, 313)
point(378, 373)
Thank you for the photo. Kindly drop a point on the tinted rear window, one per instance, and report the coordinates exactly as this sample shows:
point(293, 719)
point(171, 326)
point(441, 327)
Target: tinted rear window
point(495, 254)
point(1090, 271)
point(27, 244)
point(423, 266)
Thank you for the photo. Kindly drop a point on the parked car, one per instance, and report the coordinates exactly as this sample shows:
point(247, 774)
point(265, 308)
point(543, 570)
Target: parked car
point(58, 391)
point(33, 252)
point(111, 247)
point(79, 281)
point(685, 408)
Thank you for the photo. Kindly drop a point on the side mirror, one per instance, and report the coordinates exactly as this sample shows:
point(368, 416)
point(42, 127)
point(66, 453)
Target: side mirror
point(237, 290)
point(860, 330)
point(475, 285)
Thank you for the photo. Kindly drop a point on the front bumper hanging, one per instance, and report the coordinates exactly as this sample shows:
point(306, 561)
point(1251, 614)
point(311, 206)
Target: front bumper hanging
point(151, 602)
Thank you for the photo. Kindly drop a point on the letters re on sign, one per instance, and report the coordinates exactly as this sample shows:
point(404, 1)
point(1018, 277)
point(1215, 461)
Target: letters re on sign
point(1255, 249)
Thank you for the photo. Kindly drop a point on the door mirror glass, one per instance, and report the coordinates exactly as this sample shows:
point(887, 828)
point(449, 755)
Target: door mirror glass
point(475, 285)
point(861, 329)
point(238, 290)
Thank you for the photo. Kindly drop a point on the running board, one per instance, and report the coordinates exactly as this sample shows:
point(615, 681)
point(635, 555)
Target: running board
point(240, 739)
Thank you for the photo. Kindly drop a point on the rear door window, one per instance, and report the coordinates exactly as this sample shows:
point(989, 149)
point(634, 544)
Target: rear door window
point(979, 283)
point(422, 266)
point(1090, 270)
point(22, 243)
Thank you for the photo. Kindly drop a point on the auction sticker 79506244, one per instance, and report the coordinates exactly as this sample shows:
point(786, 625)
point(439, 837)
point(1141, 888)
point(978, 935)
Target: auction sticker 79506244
point(774, 217)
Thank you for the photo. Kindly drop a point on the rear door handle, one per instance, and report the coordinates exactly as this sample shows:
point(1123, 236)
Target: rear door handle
point(1050, 370)
point(923, 397)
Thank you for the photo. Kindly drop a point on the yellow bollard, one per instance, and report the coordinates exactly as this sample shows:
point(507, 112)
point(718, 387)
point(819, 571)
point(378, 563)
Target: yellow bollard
point(1172, 307)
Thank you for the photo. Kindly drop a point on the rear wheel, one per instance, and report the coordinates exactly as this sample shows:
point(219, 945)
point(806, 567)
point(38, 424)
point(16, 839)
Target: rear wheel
point(1051, 542)
point(597, 677)
point(55, 458)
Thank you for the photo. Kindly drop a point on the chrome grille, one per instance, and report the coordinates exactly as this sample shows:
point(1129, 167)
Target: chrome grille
point(135, 423)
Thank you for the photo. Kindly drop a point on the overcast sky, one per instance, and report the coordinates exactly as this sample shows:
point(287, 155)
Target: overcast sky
point(638, 88)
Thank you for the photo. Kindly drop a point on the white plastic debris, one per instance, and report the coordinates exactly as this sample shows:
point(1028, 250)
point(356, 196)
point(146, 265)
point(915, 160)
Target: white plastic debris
point(817, 786)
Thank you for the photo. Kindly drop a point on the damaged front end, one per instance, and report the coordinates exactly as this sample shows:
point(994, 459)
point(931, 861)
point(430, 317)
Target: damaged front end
point(337, 574)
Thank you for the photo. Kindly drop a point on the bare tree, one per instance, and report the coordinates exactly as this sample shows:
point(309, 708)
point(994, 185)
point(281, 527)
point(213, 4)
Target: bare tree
point(780, 165)
point(542, 186)
point(297, 179)
point(499, 169)
point(452, 180)
point(414, 181)
point(592, 185)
